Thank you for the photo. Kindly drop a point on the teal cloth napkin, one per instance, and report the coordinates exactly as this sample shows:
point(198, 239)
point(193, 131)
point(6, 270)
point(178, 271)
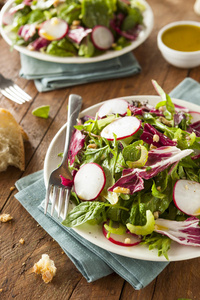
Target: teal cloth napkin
point(93, 262)
point(50, 76)
point(85, 255)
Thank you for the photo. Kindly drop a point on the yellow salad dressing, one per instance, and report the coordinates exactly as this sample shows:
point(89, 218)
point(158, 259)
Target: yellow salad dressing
point(182, 38)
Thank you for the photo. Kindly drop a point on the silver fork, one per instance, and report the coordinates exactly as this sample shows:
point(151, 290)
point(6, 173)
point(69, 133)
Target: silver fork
point(54, 185)
point(12, 91)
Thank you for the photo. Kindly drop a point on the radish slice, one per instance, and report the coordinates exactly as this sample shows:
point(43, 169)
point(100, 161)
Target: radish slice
point(115, 106)
point(126, 240)
point(89, 181)
point(195, 116)
point(122, 128)
point(7, 18)
point(53, 29)
point(186, 196)
point(102, 37)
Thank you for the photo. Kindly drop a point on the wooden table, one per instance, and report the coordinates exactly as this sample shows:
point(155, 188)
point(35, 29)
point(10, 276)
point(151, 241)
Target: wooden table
point(179, 279)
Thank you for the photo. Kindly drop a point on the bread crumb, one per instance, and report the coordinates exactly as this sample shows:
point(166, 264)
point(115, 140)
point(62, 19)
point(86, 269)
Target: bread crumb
point(12, 188)
point(62, 252)
point(23, 264)
point(22, 241)
point(5, 218)
point(1, 290)
point(46, 267)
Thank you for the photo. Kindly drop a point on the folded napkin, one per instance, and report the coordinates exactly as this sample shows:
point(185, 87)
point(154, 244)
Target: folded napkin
point(50, 76)
point(85, 255)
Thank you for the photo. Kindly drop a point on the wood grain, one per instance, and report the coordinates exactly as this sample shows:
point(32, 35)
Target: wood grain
point(179, 279)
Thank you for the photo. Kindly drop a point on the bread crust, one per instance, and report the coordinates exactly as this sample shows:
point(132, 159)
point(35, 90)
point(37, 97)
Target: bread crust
point(11, 142)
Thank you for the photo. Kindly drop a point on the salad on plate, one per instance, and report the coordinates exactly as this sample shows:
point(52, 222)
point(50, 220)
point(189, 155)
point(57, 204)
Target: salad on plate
point(136, 173)
point(74, 28)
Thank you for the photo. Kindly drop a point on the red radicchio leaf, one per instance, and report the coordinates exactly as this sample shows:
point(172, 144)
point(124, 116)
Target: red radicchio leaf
point(116, 24)
point(27, 31)
point(77, 143)
point(158, 160)
point(66, 181)
point(78, 34)
point(183, 232)
point(195, 127)
point(39, 43)
point(134, 183)
point(148, 137)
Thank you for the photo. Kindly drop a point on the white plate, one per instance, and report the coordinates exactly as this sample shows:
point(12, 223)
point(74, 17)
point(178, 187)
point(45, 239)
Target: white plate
point(94, 233)
point(143, 35)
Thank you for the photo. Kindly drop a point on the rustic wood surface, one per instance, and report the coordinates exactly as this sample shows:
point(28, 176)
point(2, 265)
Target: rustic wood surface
point(179, 279)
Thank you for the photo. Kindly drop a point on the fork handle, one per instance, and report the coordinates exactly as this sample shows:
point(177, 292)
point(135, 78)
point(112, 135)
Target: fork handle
point(74, 107)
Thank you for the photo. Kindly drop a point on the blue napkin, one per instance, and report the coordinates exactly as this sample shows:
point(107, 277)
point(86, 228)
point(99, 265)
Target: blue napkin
point(85, 255)
point(50, 76)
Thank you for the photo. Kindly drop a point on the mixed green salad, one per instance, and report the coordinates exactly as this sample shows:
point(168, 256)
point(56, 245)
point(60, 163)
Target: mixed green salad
point(65, 28)
point(136, 173)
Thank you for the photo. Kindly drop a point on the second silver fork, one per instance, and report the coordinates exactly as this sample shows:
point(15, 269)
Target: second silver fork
point(12, 91)
point(54, 185)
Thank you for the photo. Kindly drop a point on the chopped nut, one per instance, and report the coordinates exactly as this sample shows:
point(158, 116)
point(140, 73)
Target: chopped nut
point(127, 241)
point(161, 109)
point(165, 121)
point(5, 218)
point(56, 3)
point(92, 146)
point(62, 252)
point(54, 21)
point(76, 23)
point(156, 214)
point(159, 188)
point(22, 241)
point(152, 147)
point(186, 187)
point(156, 138)
point(30, 47)
point(73, 27)
point(121, 190)
point(45, 266)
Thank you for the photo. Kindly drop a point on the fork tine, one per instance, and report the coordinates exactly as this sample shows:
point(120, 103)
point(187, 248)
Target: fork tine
point(47, 198)
point(7, 95)
point(66, 203)
point(17, 93)
point(55, 192)
point(60, 200)
point(25, 95)
point(13, 94)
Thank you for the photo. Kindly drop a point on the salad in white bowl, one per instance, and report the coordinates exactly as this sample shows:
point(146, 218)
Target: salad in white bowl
point(69, 28)
point(136, 173)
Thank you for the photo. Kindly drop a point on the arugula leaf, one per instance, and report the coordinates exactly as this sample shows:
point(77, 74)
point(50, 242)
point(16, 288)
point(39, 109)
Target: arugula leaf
point(158, 241)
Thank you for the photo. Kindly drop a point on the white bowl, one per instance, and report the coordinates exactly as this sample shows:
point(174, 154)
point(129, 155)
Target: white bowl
point(180, 59)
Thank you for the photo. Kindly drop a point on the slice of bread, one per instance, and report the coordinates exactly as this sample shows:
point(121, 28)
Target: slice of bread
point(11, 142)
